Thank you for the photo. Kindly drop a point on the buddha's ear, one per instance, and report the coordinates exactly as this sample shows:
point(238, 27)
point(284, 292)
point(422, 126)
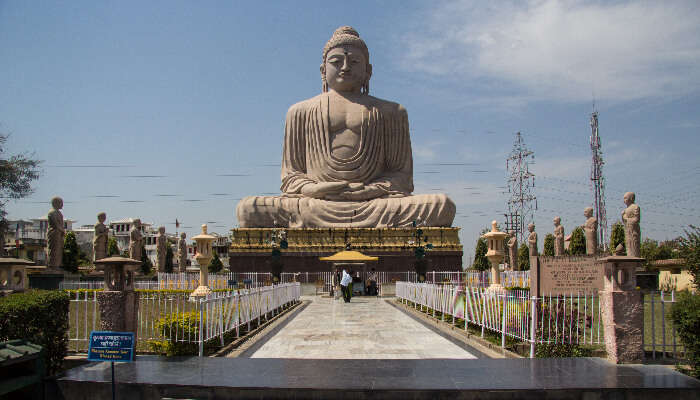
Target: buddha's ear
point(369, 71)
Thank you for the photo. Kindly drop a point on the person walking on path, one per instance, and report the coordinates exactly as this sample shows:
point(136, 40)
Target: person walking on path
point(345, 286)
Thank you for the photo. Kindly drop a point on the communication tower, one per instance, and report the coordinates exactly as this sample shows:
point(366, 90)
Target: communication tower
point(521, 183)
point(598, 182)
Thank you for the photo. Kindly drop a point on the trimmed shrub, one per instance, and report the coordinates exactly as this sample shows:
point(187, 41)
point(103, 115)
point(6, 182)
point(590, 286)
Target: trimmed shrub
point(40, 317)
point(177, 327)
point(548, 245)
point(685, 314)
point(617, 237)
point(481, 263)
point(524, 257)
point(577, 245)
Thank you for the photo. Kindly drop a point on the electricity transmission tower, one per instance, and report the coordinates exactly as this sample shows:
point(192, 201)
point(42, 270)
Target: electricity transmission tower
point(598, 182)
point(521, 182)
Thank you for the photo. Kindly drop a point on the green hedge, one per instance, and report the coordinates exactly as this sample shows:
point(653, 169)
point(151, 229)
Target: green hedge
point(685, 314)
point(38, 316)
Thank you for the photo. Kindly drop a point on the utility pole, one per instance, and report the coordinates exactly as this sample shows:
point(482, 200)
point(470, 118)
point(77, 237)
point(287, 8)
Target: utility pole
point(521, 182)
point(598, 182)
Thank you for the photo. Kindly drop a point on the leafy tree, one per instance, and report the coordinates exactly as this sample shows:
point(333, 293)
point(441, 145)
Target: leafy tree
point(524, 257)
point(651, 250)
point(689, 250)
point(16, 175)
point(215, 265)
point(548, 245)
point(146, 264)
point(481, 263)
point(577, 245)
point(617, 236)
point(112, 247)
point(71, 253)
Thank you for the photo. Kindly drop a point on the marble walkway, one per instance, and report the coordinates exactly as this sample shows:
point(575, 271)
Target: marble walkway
point(365, 328)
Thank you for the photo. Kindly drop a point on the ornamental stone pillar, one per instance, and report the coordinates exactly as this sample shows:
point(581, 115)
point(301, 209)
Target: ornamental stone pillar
point(119, 303)
point(623, 310)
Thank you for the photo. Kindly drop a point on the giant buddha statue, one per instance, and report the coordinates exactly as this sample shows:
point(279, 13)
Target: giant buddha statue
point(347, 156)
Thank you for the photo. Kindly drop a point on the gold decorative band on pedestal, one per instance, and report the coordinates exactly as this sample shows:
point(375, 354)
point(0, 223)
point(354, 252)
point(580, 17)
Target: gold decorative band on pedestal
point(258, 240)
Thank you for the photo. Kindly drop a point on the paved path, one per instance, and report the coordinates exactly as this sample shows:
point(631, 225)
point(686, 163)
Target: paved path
point(365, 328)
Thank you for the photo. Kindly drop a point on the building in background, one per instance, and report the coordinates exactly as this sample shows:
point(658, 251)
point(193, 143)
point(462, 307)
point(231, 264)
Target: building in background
point(27, 238)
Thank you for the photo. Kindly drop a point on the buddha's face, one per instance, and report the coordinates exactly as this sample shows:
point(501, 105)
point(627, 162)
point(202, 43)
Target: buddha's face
point(346, 69)
point(628, 198)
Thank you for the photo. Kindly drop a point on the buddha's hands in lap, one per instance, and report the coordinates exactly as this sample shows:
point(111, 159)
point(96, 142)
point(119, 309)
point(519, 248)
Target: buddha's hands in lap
point(322, 190)
point(358, 192)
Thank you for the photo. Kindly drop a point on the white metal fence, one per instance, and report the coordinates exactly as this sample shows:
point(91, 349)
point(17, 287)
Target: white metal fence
point(660, 337)
point(216, 315)
point(548, 319)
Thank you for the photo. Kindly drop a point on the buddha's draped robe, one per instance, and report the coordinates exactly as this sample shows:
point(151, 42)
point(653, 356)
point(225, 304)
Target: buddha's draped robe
point(383, 160)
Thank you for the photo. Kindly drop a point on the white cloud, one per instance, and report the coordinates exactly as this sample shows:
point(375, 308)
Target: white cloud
point(564, 50)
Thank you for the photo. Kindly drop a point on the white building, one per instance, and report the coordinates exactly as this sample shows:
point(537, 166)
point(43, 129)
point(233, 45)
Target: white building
point(27, 238)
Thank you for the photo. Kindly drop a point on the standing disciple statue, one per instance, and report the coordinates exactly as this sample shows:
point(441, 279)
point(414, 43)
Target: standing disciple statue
point(591, 231)
point(513, 250)
point(161, 248)
point(347, 155)
point(99, 241)
point(135, 240)
point(630, 217)
point(532, 240)
point(182, 252)
point(558, 237)
point(56, 233)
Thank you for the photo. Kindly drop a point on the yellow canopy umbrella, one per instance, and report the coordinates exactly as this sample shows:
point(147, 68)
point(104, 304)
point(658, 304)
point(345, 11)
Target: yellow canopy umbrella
point(349, 256)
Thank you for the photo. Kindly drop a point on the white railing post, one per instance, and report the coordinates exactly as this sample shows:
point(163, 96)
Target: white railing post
point(533, 325)
point(201, 330)
point(503, 325)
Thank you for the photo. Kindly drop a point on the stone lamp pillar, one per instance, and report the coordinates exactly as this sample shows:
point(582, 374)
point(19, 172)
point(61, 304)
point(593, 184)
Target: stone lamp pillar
point(119, 303)
point(495, 254)
point(204, 255)
point(623, 310)
point(13, 274)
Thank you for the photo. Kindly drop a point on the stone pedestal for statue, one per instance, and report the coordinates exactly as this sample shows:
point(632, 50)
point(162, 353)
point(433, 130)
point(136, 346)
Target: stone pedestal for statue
point(119, 303)
point(495, 255)
point(13, 274)
point(204, 255)
point(623, 310)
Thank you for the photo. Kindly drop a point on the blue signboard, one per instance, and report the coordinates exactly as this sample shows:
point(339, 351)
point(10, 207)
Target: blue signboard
point(111, 346)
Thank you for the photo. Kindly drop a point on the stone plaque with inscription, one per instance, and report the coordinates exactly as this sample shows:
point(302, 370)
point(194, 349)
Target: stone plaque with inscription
point(568, 274)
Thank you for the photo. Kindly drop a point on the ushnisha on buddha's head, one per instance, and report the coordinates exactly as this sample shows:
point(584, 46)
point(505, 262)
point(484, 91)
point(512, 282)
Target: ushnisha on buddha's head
point(346, 67)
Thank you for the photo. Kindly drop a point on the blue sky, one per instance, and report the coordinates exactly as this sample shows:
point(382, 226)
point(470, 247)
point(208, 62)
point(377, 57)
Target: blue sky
point(193, 94)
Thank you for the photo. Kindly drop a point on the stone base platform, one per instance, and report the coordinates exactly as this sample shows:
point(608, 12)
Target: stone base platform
point(245, 378)
point(251, 248)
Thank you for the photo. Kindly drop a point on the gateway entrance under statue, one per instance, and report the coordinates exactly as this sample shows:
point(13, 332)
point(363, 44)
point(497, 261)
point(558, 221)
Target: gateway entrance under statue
point(346, 164)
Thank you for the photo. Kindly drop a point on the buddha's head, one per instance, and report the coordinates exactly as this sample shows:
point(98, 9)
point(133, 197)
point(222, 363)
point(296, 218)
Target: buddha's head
point(57, 203)
point(628, 198)
point(346, 66)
